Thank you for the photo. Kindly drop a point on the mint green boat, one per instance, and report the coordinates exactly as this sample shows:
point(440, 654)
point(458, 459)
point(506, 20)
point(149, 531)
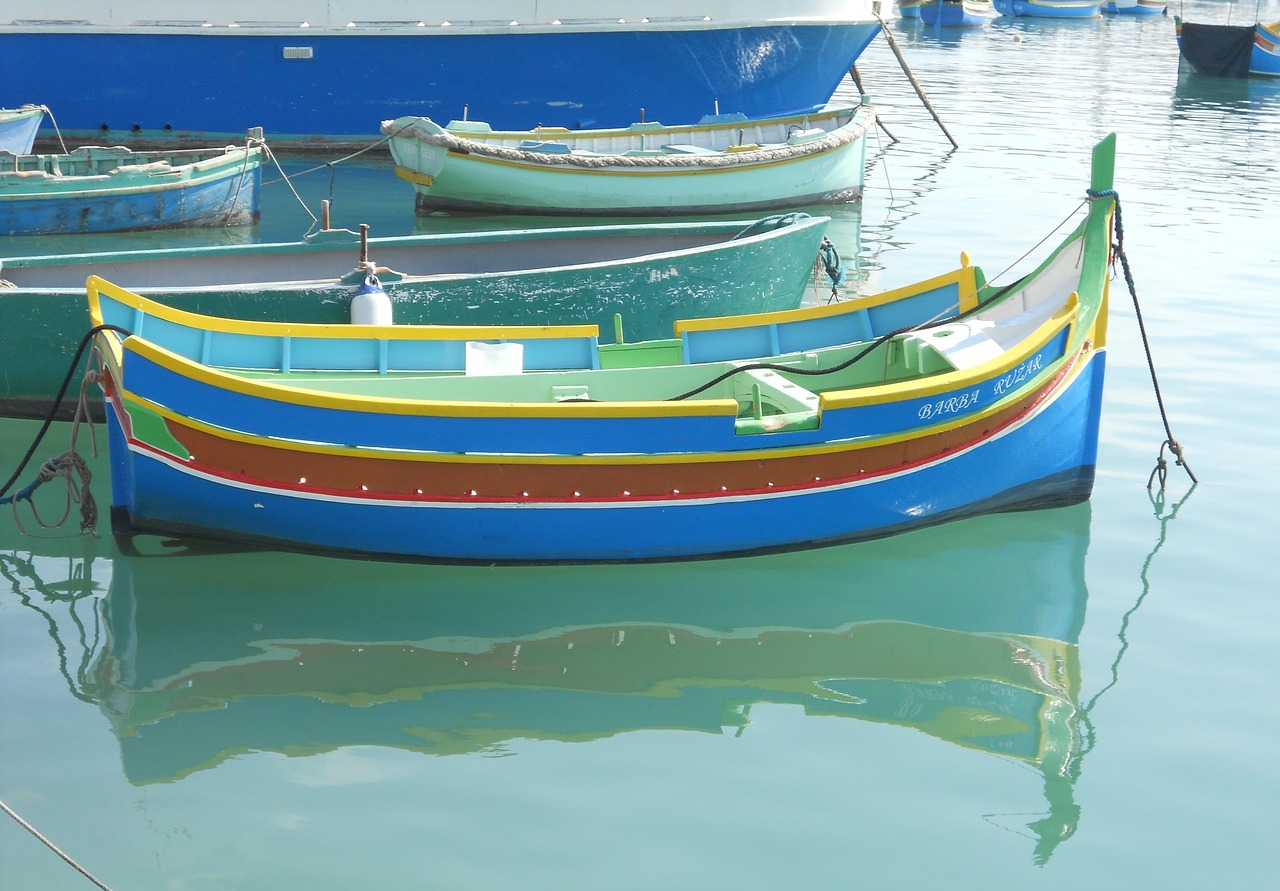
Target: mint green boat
point(651, 275)
point(723, 164)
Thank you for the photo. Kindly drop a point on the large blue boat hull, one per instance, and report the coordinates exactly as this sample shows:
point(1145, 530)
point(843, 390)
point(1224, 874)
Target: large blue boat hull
point(316, 88)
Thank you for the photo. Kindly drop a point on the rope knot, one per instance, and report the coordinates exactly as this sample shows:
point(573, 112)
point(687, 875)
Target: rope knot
point(48, 470)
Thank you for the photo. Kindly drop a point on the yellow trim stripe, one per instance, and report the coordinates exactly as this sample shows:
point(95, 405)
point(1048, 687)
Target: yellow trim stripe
point(281, 392)
point(683, 458)
point(94, 285)
point(417, 179)
point(963, 277)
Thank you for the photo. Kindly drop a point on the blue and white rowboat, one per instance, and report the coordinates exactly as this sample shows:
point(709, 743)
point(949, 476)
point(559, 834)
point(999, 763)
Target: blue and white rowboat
point(18, 128)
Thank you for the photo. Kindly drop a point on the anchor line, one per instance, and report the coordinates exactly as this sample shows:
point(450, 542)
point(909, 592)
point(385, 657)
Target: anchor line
point(57, 466)
point(1173, 445)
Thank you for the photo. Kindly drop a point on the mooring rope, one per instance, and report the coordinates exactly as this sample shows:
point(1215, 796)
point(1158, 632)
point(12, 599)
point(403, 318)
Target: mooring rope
point(288, 182)
point(56, 128)
point(65, 463)
point(331, 166)
point(1160, 472)
point(234, 198)
point(50, 845)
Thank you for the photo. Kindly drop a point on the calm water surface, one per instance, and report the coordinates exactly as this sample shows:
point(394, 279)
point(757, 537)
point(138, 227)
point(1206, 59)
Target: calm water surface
point(1063, 699)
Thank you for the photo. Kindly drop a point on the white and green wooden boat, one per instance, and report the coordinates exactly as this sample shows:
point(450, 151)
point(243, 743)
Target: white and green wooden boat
point(724, 164)
point(649, 274)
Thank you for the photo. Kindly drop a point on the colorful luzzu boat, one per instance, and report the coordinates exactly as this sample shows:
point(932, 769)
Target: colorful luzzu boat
point(943, 399)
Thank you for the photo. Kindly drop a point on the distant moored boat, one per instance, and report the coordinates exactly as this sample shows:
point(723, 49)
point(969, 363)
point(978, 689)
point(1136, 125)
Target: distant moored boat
point(1230, 50)
point(1049, 9)
point(113, 189)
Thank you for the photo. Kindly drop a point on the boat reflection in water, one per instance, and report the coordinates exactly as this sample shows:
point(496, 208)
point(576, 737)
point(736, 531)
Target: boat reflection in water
point(967, 633)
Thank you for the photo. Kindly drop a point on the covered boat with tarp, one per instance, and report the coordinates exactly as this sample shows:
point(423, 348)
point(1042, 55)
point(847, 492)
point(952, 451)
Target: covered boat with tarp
point(1230, 50)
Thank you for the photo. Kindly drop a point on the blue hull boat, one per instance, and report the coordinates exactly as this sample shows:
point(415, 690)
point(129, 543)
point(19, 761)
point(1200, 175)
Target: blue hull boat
point(321, 74)
point(1049, 9)
point(956, 13)
point(112, 189)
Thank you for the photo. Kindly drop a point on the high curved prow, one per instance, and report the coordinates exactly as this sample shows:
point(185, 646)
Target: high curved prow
point(1104, 164)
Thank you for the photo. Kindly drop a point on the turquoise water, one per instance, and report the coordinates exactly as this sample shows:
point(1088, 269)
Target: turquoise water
point(1061, 699)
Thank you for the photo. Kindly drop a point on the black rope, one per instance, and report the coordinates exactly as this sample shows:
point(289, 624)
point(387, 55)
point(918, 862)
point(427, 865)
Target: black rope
point(768, 224)
point(25, 493)
point(1174, 446)
point(773, 366)
point(882, 339)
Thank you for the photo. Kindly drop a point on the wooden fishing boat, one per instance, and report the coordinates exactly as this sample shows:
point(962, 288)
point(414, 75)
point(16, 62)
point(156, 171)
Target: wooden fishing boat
point(956, 13)
point(18, 128)
point(1049, 9)
point(753, 433)
point(113, 189)
point(1136, 7)
point(1230, 50)
point(726, 164)
point(650, 274)
point(908, 9)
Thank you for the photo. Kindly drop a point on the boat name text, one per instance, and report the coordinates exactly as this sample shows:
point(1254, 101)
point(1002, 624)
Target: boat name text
point(1018, 375)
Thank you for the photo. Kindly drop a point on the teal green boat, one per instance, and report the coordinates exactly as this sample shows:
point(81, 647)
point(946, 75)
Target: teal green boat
point(650, 275)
